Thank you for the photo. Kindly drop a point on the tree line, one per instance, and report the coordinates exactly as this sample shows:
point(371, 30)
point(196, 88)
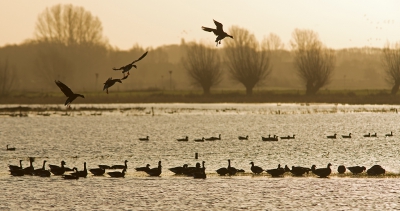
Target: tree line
point(69, 45)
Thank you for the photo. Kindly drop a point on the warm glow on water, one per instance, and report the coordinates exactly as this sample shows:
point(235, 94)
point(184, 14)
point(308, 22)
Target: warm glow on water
point(110, 137)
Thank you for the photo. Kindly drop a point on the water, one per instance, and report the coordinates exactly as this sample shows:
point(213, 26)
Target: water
point(109, 135)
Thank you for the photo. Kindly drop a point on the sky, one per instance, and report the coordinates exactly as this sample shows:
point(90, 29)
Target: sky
point(153, 23)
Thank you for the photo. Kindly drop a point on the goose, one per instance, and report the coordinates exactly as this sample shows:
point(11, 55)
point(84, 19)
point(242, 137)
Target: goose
point(243, 137)
point(10, 148)
point(255, 169)
point(68, 93)
point(332, 137)
point(269, 138)
point(219, 32)
point(200, 173)
point(57, 167)
point(367, 135)
point(276, 172)
point(374, 135)
point(344, 136)
point(188, 171)
point(97, 171)
point(199, 140)
point(155, 171)
point(341, 169)
point(17, 172)
point(322, 172)
point(143, 168)
point(110, 82)
point(37, 172)
point(213, 138)
point(14, 167)
point(71, 176)
point(183, 139)
point(120, 166)
point(299, 171)
point(179, 169)
point(29, 170)
point(117, 173)
point(376, 170)
point(58, 171)
point(356, 169)
point(222, 171)
point(81, 173)
point(389, 134)
point(288, 137)
point(144, 139)
point(129, 66)
point(231, 170)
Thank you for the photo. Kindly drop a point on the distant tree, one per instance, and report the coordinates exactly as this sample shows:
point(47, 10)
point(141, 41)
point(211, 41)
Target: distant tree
point(69, 25)
point(313, 61)
point(391, 64)
point(273, 42)
point(7, 78)
point(203, 65)
point(248, 60)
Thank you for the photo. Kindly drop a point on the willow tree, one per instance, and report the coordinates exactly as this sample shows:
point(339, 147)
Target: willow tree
point(313, 61)
point(203, 65)
point(391, 64)
point(248, 60)
point(69, 25)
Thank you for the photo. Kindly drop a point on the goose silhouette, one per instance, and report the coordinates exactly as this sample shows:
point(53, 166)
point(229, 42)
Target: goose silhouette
point(110, 82)
point(341, 169)
point(389, 134)
point(10, 148)
point(155, 171)
point(129, 66)
point(219, 32)
point(376, 170)
point(120, 166)
point(144, 139)
point(117, 173)
point(71, 176)
point(356, 169)
point(199, 140)
point(322, 172)
point(143, 168)
point(81, 173)
point(68, 93)
point(183, 139)
point(179, 169)
point(14, 167)
point(299, 171)
point(97, 171)
point(345, 136)
point(255, 169)
point(276, 172)
point(243, 137)
point(332, 137)
point(200, 173)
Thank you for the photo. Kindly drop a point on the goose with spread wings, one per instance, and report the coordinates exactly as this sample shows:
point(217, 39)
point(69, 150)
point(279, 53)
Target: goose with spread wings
point(68, 92)
point(219, 31)
point(110, 82)
point(129, 66)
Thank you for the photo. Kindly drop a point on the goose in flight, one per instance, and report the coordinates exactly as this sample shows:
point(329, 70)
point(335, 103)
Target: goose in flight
point(129, 66)
point(110, 82)
point(68, 93)
point(219, 32)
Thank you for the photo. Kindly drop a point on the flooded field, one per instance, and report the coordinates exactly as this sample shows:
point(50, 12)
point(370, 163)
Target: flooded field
point(109, 134)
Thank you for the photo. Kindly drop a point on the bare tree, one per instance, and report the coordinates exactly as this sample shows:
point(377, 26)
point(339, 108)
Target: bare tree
point(203, 65)
point(69, 25)
point(391, 63)
point(7, 78)
point(248, 60)
point(273, 42)
point(314, 62)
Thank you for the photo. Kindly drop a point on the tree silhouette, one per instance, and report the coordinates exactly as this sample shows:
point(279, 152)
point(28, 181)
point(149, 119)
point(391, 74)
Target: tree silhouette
point(248, 60)
point(313, 61)
point(203, 65)
point(7, 78)
point(69, 25)
point(391, 64)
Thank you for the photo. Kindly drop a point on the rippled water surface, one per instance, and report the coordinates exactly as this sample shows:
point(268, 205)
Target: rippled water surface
point(108, 134)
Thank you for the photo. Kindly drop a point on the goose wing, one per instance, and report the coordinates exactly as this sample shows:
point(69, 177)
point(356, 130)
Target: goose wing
point(219, 25)
point(64, 88)
point(140, 58)
point(209, 30)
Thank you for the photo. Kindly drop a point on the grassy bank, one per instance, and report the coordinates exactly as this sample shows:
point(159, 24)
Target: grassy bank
point(279, 96)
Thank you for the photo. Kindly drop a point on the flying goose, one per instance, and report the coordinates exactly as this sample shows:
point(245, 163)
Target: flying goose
point(68, 93)
point(129, 66)
point(219, 32)
point(110, 82)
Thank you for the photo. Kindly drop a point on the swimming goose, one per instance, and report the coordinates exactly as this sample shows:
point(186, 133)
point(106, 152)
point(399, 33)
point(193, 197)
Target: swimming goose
point(231, 170)
point(71, 176)
point(155, 171)
point(269, 138)
point(10, 148)
point(81, 173)
point(58, 171)
point(183, 139)
point(179, 169)
point(255, 169)
point(322, 172)
point(143, 168)
point(200, 173)
point(390, 134)
point(222, 171)
point(110, 82)
point(356, 169)
point(129, 66)
point(199, 140)
point(144, 139)
point(219, 32)
point(288, 137)
point(344, 136)
point(299, 171)
point(276, 172)
point(120, 166)
point(68, 93)
point(37, 172)
point(14, 167)
point(29, 170)
point(57, 167)
point(97, 171)
point(243, 137)
point(117, 173)
point(213, 138)
point(374, 135)
point(341, 169)
point(375, 170)
point(332, 137)
point(367, 135)
point(17, 172)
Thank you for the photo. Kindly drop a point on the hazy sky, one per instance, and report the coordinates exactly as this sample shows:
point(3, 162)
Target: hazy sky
point(339, 23)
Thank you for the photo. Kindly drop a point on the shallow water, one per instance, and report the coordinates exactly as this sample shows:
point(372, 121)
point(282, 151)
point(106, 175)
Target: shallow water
point(110, 137)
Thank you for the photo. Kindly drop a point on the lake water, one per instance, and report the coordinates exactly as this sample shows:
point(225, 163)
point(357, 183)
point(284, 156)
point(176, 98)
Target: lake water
point(108, 134)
